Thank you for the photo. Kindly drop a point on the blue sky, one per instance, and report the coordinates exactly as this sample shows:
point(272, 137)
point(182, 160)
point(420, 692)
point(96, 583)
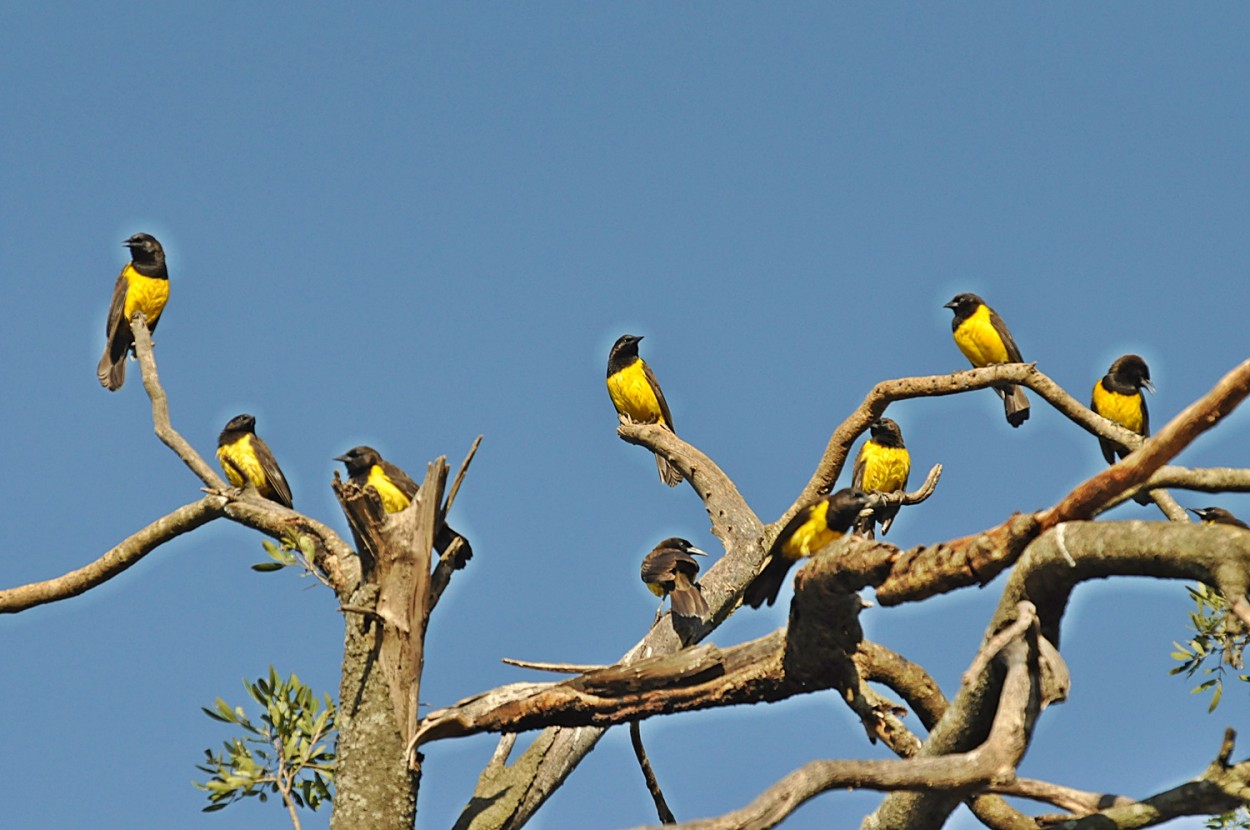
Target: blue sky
point(408, 226)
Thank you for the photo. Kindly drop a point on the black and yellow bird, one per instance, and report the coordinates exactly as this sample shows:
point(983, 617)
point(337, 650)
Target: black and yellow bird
point(367, 468)
point(246, 458)
point(669, 571)
point(637, 397)
point(143, 285)
point(883, 465)
point(984, 339)
point(1217, 516)
point(1118, 397)
point(813, 527)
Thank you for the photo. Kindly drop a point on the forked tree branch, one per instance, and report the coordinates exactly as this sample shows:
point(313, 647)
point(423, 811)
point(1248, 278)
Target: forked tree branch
point(904, 576)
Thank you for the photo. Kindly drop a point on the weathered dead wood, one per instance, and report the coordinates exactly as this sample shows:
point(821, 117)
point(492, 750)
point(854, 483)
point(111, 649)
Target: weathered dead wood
point(1050, 568)
point(1222, 788)
point(993, 760)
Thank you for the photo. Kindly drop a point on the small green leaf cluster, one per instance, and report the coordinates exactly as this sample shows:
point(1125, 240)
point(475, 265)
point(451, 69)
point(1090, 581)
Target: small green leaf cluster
point(1218, 635)
point(1236, 820)
point(293, 551)
point(286, 752)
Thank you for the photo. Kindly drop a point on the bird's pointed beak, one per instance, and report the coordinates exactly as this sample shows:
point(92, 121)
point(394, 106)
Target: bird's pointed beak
point(342, 458)
point(950, 305)
point(1148, 386)
point(696, 551)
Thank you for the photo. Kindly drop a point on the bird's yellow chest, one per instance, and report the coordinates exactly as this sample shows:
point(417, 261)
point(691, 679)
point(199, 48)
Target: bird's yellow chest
point(633, 396)
point(146, 294)
point(885, 468)
point(1125, 410)
point(810, 536)
point(239, 462)
point(393, 499)
point(656, 588)
point(979, 341)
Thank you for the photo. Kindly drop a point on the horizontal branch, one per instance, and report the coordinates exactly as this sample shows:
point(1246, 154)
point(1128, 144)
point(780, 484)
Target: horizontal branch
point(116, 559)
point(1222, 788)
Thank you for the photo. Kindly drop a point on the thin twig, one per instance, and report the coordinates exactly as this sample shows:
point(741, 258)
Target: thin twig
point(160, 407)
point(648, 775)
point(560, 668)
point(464, 468)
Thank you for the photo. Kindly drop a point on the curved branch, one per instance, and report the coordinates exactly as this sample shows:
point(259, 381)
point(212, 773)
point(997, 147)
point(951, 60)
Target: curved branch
point(160, 407)
point(900, 389)
point(115, 560)
point(1220, 789)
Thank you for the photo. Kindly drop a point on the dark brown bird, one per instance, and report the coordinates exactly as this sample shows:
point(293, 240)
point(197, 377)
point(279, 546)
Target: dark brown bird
point(669, 570)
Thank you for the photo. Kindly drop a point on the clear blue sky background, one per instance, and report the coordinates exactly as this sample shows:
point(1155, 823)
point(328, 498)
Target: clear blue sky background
point(408, 227)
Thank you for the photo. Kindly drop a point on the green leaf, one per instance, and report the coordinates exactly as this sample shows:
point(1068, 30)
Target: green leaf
point(268, 567)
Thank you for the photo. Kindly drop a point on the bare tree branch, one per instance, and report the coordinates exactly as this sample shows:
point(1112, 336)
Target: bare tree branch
point(994, 759)
point(160, 407)
point(332, 555)
point(115, 560)
point(1222, 788)
point(648, 775)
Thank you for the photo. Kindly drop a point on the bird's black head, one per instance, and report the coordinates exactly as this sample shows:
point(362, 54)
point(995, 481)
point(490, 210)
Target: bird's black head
point(144, 249)
point(626, 344)
point(1133, 371)
point(1216, 516)
point(241, 423)
point(680, 544)
point(964, 304)
point(359, 459)
point(886, 433)
point(844, 506)
point(624, 352)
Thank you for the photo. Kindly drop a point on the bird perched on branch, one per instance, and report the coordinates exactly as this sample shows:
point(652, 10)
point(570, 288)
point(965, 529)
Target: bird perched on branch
point(637, 397)
point(813, 527)
point(984, 339)
point(245, 458)
point(367, 468)
point(143, 285)
point(1118, 397)
point(883, 465)
point(1217, 516)
point(669, 570)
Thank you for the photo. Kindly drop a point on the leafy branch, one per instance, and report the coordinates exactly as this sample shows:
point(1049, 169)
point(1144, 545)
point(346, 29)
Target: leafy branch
point(287, 753)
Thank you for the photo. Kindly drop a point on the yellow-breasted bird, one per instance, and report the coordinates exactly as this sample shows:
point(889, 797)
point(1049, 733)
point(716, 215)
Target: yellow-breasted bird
point(984, 339)
point(813, 527)
point(143, 285)
point(1118, 397)
point(883, 465)
point(669, 570)
point(246, 458)
point(1217, 516)
point(637, 397)
point(367, 468)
